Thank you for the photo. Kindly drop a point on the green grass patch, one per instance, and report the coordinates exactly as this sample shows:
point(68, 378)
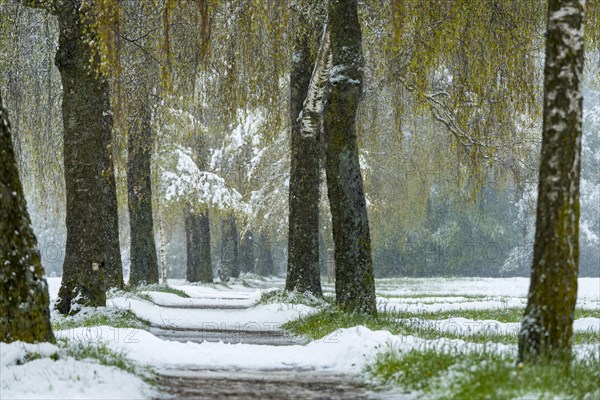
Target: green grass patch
point(140, 292)
point(502, 338)
point(128, 292)
point(484, 375)
point(283, 296)
point(96, 352)
point(160, 288)
point(580, 313)
point(468, 297)
point(104, 355)
point(216, 285)
point(245, 283)
point(500, 314)
point(586, 338)
point(249, 277)
point(324, 322)
point(412, 370)
point(30, 356)
point(89, 317)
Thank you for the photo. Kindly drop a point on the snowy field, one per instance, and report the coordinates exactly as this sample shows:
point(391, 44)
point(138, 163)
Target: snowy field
point(52, 371)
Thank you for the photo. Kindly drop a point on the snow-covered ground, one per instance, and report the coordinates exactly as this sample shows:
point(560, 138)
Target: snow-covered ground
point(219, 307)
point(342, 351)
point(466, 326)
point(588, 288)
point(346, 349)
point(264, 316)
point(43, 371)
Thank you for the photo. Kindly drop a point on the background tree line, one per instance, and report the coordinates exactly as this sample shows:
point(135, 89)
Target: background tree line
point(388, 77)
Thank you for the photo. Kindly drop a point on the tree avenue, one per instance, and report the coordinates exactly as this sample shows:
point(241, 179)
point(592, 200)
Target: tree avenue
point(261, 146)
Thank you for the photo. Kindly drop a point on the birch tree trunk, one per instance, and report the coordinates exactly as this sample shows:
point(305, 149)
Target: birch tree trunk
point(24, 301)
point(303, 273)
point(547, 328)
point(161, 245)
point(144, 264)
point(355, 284)
point(92, 259)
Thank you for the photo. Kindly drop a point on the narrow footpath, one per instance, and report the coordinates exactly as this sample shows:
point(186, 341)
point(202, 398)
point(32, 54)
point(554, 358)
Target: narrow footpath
point(242, 383)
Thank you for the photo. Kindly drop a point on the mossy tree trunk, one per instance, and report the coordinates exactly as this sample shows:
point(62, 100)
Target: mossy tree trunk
point(247, 252)
point(230, 264)
point(144, 263)
point(303, 236)
point(355, 284)
point(197, 233)
point(24, 301)
point(92, 259)
point(547, 328)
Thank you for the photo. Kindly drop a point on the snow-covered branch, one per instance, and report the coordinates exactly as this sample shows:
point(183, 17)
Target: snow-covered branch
point(182, 180)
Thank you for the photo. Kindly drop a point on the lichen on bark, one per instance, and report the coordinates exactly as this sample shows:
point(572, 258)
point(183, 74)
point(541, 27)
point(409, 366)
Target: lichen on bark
point(355, 283)
point(92, 258)
point(303, 273)
point(547, 328)
point(24, 301)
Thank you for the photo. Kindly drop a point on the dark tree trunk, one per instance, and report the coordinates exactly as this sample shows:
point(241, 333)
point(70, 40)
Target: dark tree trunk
point(92, 259)
point(197, 233)
point(247, 252)
point(229, 248)
point(197, 226)
point(144, 264)
point(355, 284)
point(303, 236)
point(24, 301)
point(264, 262)
point(547, 328)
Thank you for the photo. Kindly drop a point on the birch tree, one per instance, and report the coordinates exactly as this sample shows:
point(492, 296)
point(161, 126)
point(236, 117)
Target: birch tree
point(307, 80)
point(547, 327)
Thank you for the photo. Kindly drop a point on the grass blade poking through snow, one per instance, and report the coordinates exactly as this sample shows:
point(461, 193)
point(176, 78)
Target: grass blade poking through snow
point(484, 375)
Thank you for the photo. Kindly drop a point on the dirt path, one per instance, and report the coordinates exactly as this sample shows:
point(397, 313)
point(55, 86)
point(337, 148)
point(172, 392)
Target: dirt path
point(286, 383)
point(261, 384)
point(248, 336)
